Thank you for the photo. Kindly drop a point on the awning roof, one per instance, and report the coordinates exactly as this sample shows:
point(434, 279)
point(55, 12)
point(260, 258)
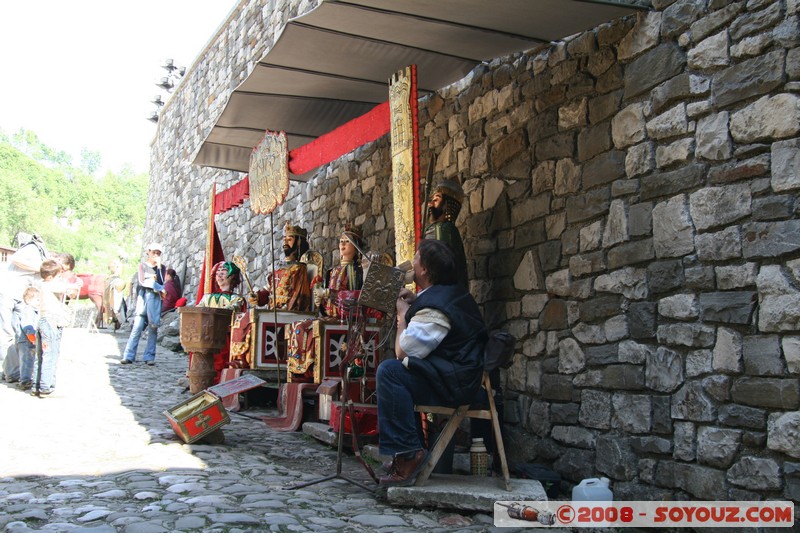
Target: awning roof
point(333, 64)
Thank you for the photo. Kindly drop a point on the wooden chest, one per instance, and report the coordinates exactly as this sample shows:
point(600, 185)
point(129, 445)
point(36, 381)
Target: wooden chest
point(198, 416)
point(203, 413)
point(330, 340)
point(270, 338)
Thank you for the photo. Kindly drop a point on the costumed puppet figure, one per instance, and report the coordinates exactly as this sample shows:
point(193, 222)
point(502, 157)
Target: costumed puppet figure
point(443, 208)
point(227, 278)
point(344, 278)
point(292, 289)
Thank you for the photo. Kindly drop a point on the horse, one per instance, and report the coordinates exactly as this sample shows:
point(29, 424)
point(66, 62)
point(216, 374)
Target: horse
point(92, 289)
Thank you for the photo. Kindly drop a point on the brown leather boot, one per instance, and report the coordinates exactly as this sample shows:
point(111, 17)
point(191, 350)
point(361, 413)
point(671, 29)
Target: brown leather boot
point(404, 471)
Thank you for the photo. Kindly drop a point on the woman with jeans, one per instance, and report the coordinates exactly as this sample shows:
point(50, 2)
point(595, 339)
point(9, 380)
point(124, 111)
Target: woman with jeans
point(151, 278)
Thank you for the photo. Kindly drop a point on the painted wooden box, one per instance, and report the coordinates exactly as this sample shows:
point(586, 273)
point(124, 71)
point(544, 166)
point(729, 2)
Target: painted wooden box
point(270, 337)
point(204, 413)
point(198, 416)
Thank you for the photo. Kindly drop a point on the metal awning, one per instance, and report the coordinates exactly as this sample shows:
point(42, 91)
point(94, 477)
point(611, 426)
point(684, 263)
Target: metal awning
point(333, 64)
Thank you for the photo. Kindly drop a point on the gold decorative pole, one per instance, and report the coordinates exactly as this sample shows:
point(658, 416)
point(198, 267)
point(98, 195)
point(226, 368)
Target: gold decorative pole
point(404, 171)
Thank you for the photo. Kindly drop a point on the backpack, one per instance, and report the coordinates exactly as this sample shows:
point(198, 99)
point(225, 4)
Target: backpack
point(499, 350)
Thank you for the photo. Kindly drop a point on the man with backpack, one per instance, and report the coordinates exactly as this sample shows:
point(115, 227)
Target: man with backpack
point(22, 272)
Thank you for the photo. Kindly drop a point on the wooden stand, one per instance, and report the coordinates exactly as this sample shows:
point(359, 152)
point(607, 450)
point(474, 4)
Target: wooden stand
point(204, 331)
point(355, 326)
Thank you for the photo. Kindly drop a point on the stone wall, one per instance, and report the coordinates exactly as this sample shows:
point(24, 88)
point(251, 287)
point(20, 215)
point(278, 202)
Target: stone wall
point(632, 218)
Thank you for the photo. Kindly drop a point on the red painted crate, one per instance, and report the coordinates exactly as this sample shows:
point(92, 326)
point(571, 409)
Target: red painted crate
point(204, 413)
point(198, 416)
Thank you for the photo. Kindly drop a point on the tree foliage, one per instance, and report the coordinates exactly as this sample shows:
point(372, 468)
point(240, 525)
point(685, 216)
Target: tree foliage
point(96, 219)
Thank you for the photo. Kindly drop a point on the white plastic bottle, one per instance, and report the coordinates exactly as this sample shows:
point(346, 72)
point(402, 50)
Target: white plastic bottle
point(593, 490)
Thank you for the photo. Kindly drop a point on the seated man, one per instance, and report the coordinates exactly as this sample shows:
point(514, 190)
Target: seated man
point(439, 358)
point(292, 289)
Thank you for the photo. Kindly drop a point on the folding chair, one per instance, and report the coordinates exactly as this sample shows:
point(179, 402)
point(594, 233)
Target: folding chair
point(456, 416)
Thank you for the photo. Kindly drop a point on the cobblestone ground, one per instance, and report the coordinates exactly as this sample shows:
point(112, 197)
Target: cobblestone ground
point(99, 454)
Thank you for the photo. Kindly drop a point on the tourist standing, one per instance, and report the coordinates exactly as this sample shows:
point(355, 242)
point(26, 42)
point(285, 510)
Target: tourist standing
point(150, 279)
point(22, 272)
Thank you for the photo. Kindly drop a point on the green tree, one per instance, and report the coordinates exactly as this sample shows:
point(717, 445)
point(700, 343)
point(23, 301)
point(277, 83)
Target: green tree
point(96, 220)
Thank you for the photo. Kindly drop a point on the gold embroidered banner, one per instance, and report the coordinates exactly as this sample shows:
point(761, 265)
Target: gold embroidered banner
point(269, 173)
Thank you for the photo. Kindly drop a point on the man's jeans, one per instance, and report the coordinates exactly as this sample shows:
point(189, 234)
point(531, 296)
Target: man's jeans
point(398, 391)
point(8, 348)
point(27, 358)
point(148, 315)
point(45, 374)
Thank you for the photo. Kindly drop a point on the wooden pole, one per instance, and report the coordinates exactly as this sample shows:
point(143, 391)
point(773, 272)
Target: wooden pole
point(209, 283)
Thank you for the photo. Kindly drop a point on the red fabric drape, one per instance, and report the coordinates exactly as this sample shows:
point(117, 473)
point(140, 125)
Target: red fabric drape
point(233, 196)
point(340, 141)
point(217, 255)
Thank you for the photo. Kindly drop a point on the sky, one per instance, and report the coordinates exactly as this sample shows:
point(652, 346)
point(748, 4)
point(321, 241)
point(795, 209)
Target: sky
point(83, 73)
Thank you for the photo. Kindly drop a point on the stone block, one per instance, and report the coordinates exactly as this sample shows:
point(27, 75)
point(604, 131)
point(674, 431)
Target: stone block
point(701, 482)
point(717, 206)
point(762, 355)
point(595, 409)
point(770, 239)
point(776, 393)
point(604, 106)
point(664, 370)
point(783, 433)
point(648, 445)
point(628, 126)
point(642, 320)
point(715, 19)
point(720, 245)
point(631, 413)
point(748, 78)
point(717, 447)
point(710, 53)
point(679, 16)
point(573, 436)
point(699, 277)
point(662, 417)
point(743, 416)
point(775, 117)
point(564, 413)
point(604, 168)
point(588, 205)
point(630, 253)
point(738, 171)
point(667, 184)
point(554, 315)
point(593, 141)
point(556, 387)
point(615, 458)
point(755, 473)
point(691, 335)
point(755, 20)
point(785, 165)
point(729, 307)
point(717, 386)
point(575, 464)
point(673, 233)
point(776, 207)
point(653, 67)
point(622, 377)
point(692, 403)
